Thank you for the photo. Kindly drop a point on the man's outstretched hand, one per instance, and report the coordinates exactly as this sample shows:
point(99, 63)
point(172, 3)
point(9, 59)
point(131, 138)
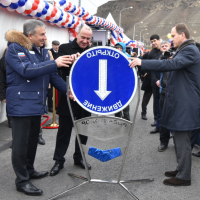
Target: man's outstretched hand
point(64, 61)
point(75, 56)
point(135, 62)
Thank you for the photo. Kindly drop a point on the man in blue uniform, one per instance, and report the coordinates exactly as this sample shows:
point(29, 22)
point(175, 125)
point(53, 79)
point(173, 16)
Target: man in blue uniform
point(29, 72)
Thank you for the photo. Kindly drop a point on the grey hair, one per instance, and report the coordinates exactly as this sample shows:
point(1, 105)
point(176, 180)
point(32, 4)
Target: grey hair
point(86, 27)
point(164, 42)
point(30, 26)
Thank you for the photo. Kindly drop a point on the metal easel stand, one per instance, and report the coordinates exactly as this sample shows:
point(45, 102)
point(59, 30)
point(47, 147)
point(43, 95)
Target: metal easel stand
point(88, 179)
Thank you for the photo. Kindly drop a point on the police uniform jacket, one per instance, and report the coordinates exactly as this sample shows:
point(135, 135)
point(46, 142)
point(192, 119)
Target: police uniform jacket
point(2, 78)
point(29, 72)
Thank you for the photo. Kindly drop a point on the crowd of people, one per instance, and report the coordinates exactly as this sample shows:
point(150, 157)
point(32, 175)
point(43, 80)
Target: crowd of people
point(28, 71)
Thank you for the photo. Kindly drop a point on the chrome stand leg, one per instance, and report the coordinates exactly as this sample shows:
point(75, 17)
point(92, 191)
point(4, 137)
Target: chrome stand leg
point(54, 197)
point(137, 180)
point(77, 176)
point(125, 188)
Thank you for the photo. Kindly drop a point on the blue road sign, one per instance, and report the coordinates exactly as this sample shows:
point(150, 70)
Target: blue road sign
point(102, 81)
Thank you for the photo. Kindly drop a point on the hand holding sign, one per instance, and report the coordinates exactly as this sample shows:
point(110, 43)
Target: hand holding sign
point(135, 62)
point(62, 61)
point(75, 56)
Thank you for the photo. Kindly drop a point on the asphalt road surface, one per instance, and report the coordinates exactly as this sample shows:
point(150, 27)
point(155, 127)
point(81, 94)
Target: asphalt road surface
point(143, 161)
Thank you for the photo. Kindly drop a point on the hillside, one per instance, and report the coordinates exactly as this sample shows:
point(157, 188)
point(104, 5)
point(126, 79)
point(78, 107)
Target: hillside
point(158, 16)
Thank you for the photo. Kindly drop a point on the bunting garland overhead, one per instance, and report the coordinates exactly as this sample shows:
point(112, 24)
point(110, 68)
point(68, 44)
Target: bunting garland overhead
point(63, 14)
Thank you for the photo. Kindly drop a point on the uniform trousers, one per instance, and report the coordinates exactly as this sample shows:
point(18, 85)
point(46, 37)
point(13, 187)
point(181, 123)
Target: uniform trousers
point(164, 132)
point(25, 132)
point(145, 100)
point(63, 140)
point(194, 137)
point(183, 154)
point(125, 113)
point(158, 112)
point(155, 103)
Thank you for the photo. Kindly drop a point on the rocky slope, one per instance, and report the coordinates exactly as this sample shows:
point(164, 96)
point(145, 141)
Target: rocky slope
point(158, 16)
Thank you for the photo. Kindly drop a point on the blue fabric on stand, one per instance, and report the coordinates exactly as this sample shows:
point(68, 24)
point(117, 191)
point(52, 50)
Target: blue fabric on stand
point(104, 155)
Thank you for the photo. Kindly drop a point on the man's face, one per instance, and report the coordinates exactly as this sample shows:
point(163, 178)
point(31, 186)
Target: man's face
point(176, 38)
point(119, 48)
point(155, 43)
point(39, 37)
point(84, 38)
point(55, 47)
point(164, 47)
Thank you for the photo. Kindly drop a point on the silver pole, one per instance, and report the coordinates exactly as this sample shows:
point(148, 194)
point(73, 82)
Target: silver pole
point(131, 131)
point(134, 33)
point(77, 133)
point(120, 15)
point(79, 3)
point(141, 33)
point(134, 30)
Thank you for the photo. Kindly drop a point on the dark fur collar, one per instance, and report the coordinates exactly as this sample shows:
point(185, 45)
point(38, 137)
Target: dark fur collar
point(19, 38)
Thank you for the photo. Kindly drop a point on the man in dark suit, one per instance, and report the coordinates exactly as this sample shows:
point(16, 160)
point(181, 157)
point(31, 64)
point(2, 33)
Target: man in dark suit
point(146, 87)
point(55, 48)
point(181, 107)
point(54, 51)
point(155, 77)
point(79, 45)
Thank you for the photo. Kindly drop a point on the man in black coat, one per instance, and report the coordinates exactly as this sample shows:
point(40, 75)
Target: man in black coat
point(181, 108)
point(79, 45)
point(54, 51)
point(146, 87)
point(55, 48)
point(162, 84)
point(155, 77)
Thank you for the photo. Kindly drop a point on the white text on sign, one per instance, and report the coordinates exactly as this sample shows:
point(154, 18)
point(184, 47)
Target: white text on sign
point(103, 53)
point(114, 107)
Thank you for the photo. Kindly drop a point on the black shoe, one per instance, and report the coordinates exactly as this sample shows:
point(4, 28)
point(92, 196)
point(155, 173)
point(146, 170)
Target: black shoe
point(41, 140)
point(196, 154)
point(38, 175)
point(162, 147)
point(154, 123)
point(50, 109)
point(29, 189)
point(156, 130)
point(81, 164)
point(55, 169)
point(177, 182)
point(143, 116)
point(171, 173)
point(9, 123)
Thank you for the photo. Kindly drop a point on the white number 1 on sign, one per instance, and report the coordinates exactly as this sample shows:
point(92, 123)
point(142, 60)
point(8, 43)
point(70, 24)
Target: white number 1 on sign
point(102, 92)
